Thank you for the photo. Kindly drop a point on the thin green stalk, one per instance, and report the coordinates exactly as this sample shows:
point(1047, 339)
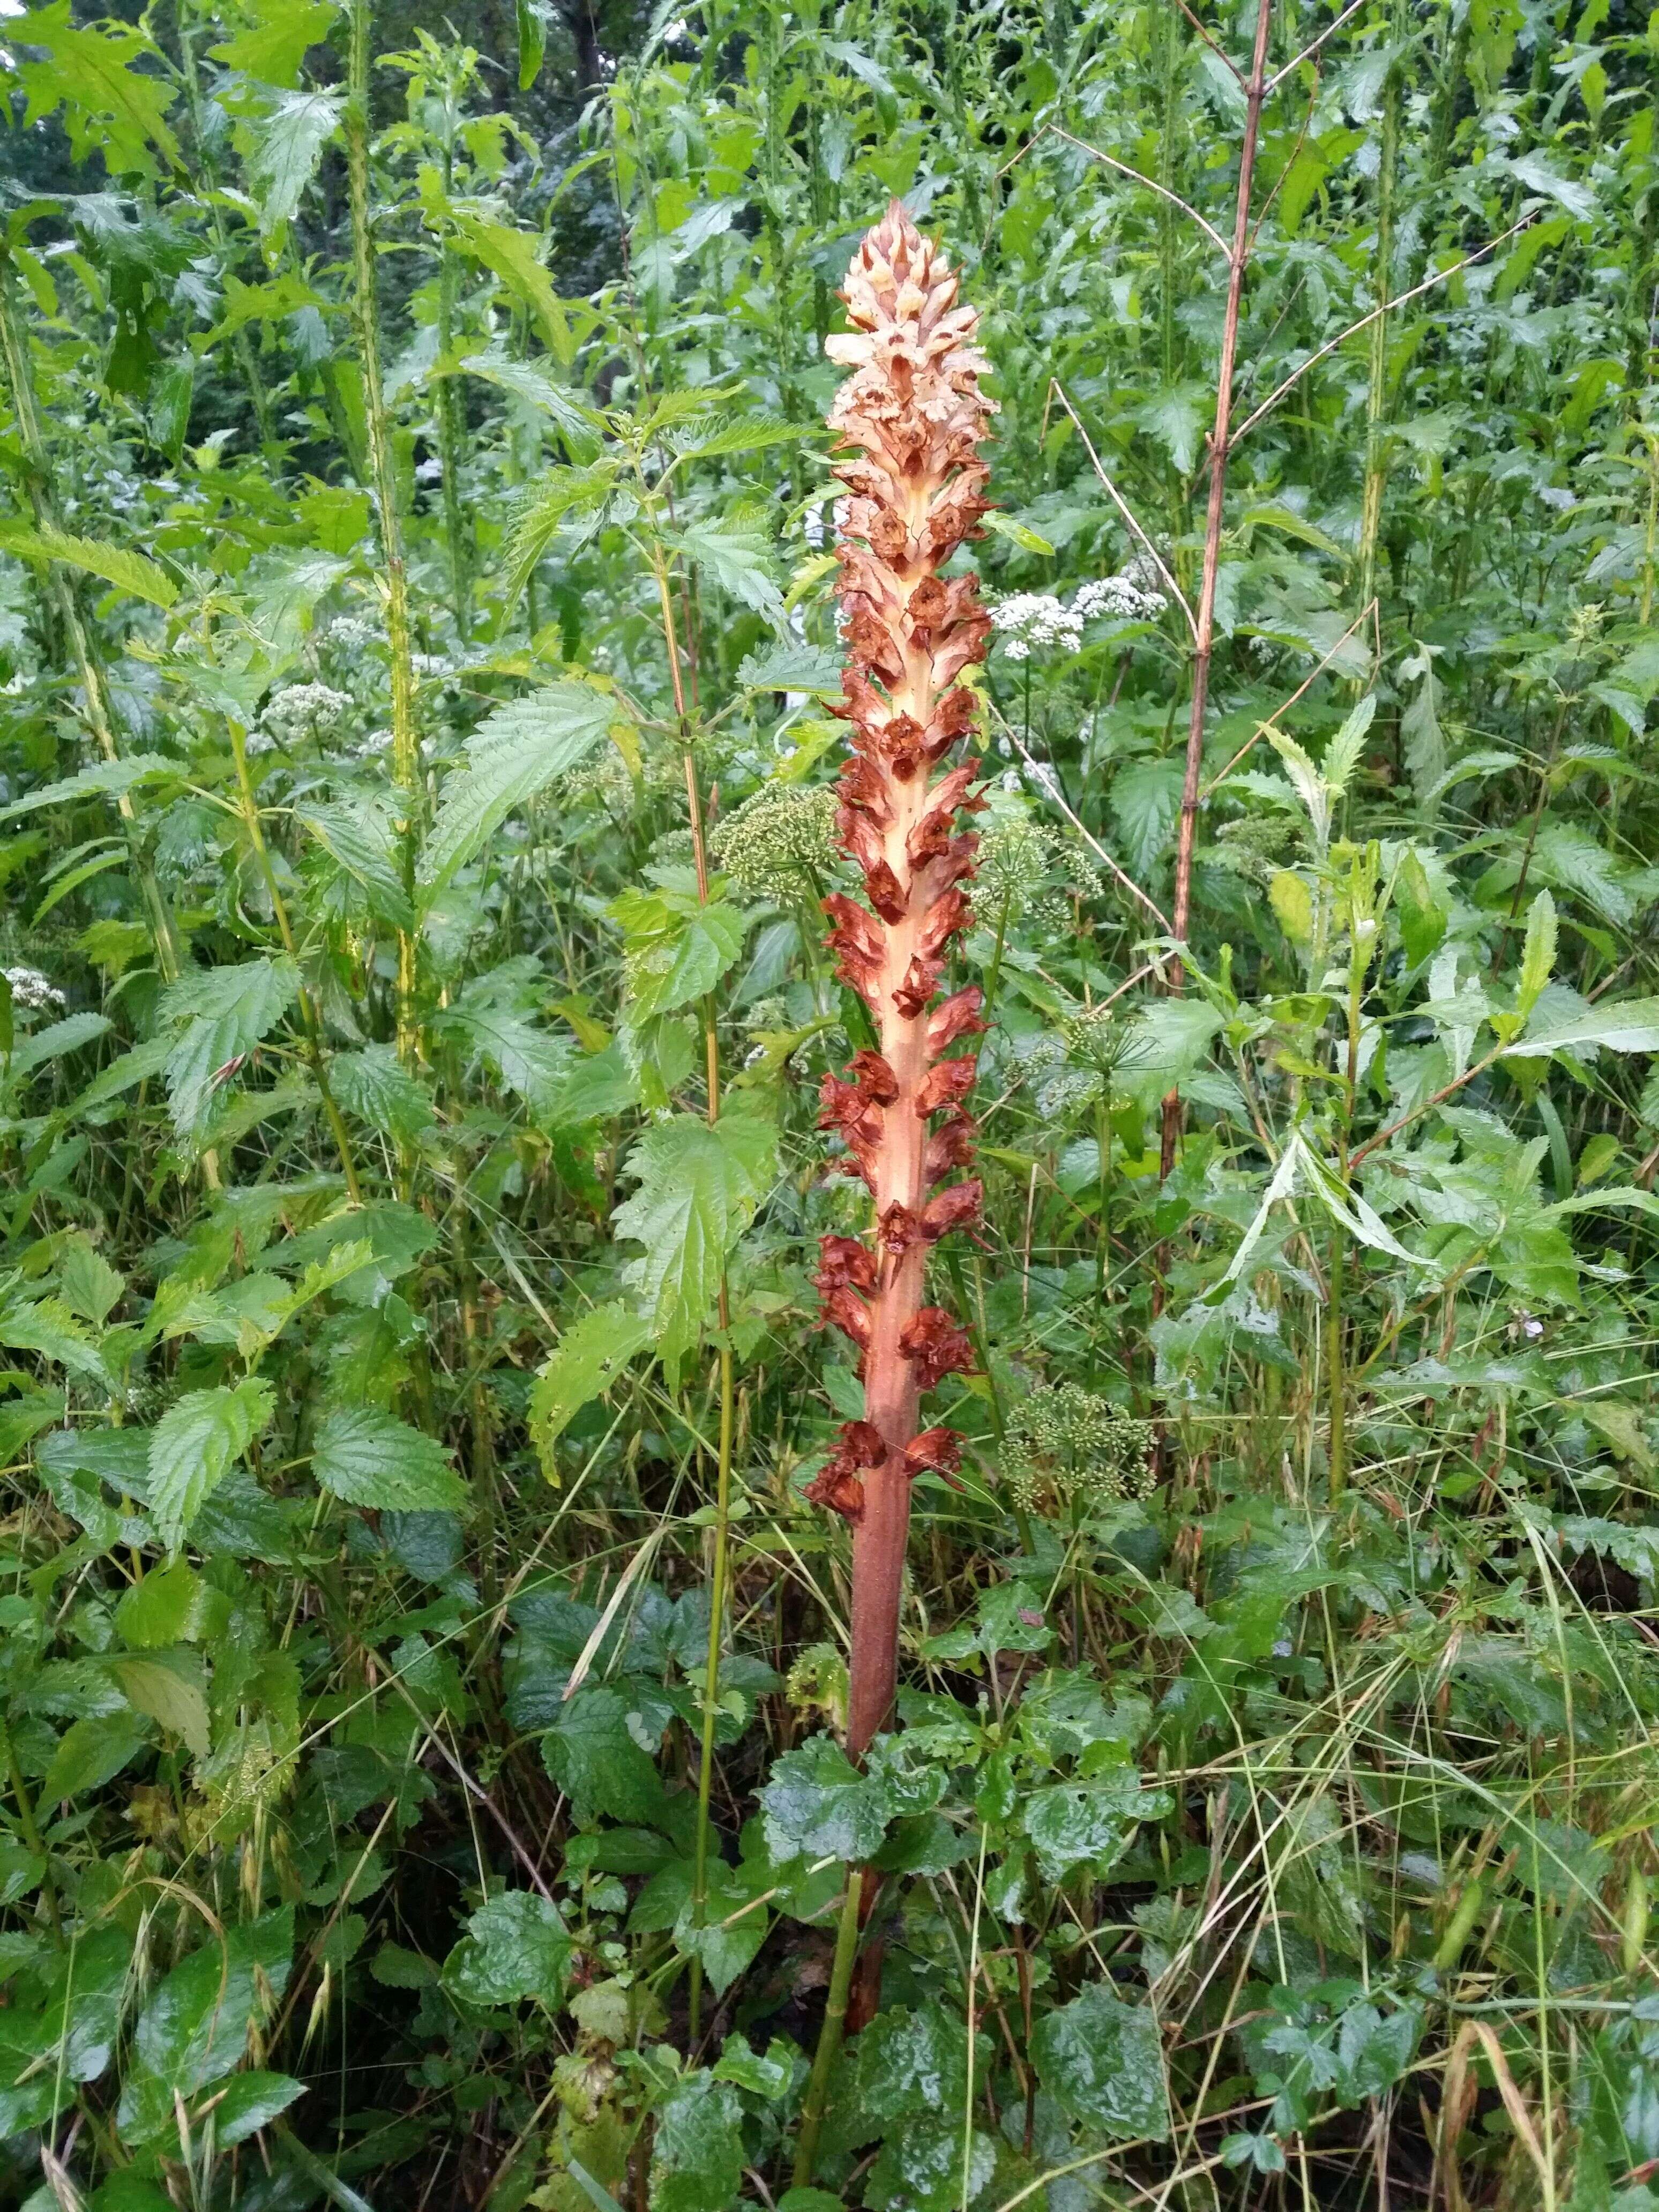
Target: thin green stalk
point(829, 2035)
point(100, 713)
point(394, 581)
point(973, 1314)
point(1337, 1384)
point(28, 1823)
point(712, 1666)
point(1103, 1147)
point(310, 1013)
point(452, 434)
point(241, 343)
point(1376, 395)
point(723, 1480)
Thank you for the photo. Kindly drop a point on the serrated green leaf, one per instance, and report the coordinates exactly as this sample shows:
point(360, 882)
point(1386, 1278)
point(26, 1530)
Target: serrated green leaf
point(373, 1459)
point(735, 552)
point(170, 1605)
point(1103, 2060)
point(288, 146)
point(514, 256)
point(170, 1688)
point(516, 753)
point(194, 1444)
point(106, 778)
point(54, 1040)
point(219, 1014)
point(697, 2153)
point(515, 1947)
point(375, 1087)
point(677, 950)
point(699, 1186)
point(585, 1361)
point(1342, 754)
point(815, 1804)
point(1538, 956)
point(48, 1327)
point(1627, 1025)
point(274, 47)
point(91, 1752)
point(578, 424)
point(111, 108)
point(118, 565)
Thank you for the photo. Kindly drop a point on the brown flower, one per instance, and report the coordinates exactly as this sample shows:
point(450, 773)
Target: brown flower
point(910, 418)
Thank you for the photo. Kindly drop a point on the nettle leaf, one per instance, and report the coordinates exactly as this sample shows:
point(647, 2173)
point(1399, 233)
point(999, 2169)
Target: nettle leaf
point(1565, 854)
point(128, 571)
point(47, 1325)
point(1422, 738)
point(735, 551)
point(1103, 2060)
point(288, 145)
point(361, 837)
point(697, 2154)
point(1146, 802)
point(194, 1444)
point(221, 1014)
point(1538, 956)
point(110, 777)
point(514, 256)
point(92, 1752)
point(699, 1188)
point(594, 1753)
point(676, 948)
point(817, 1805)
point(1631, 1025)
point(373, 1459)
point(170, 1605)
point(53, 1041)
point(271, 50)
point(375, 1087)
point(1342, 754)
point(789, 665)
point(562, 497)
point(514, 753)
point(515, 1947)
point(170, 1688)
point(587, 1360)
point(1176, 417)
point(578, 425)
point(193, 2030)
point(111, 108)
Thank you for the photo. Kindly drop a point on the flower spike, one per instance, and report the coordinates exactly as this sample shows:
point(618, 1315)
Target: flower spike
point(910, 419)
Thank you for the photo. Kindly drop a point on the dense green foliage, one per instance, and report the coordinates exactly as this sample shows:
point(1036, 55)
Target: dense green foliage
point(415, 536)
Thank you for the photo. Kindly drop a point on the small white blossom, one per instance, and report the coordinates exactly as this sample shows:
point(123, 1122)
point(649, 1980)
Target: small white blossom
point(1026, 619)
point(302, 710)
point(33, 991)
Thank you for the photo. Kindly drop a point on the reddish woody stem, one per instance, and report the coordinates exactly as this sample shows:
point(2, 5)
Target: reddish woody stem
point(1220, 445)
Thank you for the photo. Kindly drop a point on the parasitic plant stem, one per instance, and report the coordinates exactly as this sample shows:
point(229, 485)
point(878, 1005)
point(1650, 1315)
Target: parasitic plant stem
point(914, 413)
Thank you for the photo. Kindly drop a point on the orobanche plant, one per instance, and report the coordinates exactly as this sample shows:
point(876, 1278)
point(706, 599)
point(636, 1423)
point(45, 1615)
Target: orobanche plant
point(915, 414)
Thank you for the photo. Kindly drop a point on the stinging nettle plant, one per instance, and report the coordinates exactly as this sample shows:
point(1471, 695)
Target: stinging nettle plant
point(915, 414)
